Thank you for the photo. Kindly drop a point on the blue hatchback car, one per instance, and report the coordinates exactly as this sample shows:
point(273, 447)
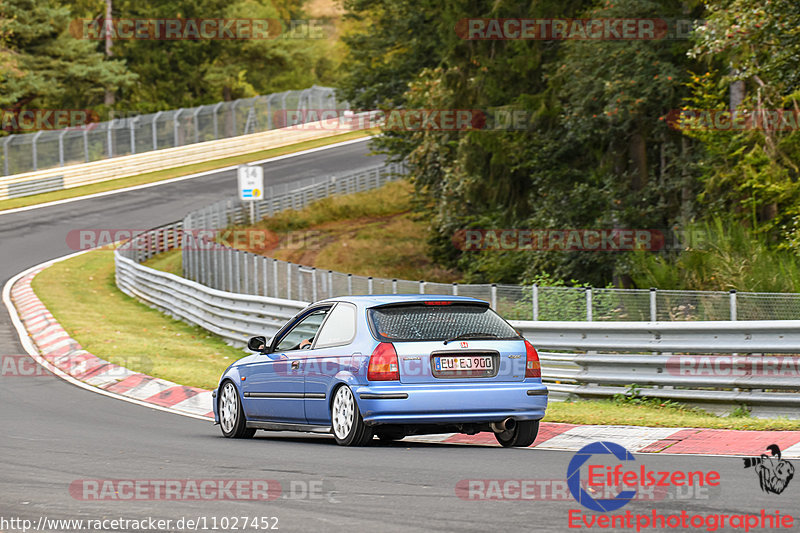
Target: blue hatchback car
point(387, 366)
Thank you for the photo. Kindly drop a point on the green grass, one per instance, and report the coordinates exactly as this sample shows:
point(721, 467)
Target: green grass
point(160, 175)
point(171, 262)
point(81, 294)
point(372, 233)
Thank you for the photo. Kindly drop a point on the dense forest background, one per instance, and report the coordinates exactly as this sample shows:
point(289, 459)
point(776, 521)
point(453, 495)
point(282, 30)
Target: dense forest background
point(598, 150)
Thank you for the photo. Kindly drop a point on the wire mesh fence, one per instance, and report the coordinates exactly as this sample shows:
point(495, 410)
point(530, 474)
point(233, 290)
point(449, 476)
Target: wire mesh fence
point(164, 129)
point(215, 265)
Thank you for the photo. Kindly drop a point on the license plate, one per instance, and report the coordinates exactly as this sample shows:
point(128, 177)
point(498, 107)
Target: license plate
point(464, 363)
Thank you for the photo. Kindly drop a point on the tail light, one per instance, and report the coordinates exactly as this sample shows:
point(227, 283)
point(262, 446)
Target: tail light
point(533, 369)
point(383, 363)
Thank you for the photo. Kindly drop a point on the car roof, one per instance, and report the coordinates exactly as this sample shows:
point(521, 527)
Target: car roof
point(373, 300)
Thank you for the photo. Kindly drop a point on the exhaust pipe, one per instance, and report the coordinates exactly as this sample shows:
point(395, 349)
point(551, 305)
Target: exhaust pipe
point(506, 425)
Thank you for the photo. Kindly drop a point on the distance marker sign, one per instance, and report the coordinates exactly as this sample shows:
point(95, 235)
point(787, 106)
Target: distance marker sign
point(251, 182)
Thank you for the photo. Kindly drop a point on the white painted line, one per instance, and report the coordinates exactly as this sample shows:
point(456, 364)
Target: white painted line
point(182, 178)
point(30, 348)
point(632, 438)
point(792, 452)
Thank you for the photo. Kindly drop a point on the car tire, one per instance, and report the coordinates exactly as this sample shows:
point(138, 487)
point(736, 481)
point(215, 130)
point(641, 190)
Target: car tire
point(231, 414)
point(522, 436)
point(347, 425)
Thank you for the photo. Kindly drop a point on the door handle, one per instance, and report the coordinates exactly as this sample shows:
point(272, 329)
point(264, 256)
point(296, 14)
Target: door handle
point(295, 365)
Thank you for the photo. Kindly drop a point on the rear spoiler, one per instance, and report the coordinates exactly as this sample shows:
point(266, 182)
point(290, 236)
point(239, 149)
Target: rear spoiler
point(433, 302)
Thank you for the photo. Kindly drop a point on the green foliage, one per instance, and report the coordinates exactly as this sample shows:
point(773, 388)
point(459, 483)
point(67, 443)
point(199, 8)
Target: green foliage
point(633, 396)
point(724, 256)
point(752, 174)
point(43, 66)
point(741, 411)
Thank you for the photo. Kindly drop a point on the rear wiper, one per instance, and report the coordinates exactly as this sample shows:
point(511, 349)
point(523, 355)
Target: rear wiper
point(471, 336)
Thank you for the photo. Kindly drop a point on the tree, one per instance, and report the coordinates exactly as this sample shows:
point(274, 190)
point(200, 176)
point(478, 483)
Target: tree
point(44, 66)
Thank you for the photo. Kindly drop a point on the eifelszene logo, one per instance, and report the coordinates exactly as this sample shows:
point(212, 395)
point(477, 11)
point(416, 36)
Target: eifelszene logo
point(626, 476)
point(774, 473)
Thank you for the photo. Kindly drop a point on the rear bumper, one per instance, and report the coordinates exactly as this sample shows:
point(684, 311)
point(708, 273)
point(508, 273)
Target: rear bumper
point(452, 403)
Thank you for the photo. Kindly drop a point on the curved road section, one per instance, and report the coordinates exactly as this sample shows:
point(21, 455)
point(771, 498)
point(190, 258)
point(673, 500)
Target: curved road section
point(108, 465)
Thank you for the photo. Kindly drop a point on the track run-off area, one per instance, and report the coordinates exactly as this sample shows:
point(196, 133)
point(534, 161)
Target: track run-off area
point(60, 445)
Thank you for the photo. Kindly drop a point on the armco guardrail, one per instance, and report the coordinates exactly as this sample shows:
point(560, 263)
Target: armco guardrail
point(234, 317)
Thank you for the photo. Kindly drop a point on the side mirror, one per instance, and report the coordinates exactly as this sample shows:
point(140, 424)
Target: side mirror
point(257, 344)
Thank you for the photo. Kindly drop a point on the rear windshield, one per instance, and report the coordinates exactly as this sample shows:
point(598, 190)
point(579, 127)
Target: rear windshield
point(419, 322)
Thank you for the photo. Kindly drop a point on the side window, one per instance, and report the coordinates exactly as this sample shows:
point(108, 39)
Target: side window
point(303, 333)
point(340, 328)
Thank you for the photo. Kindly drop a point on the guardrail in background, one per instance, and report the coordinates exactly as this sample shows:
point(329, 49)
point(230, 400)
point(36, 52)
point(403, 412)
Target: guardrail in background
point(30, 152)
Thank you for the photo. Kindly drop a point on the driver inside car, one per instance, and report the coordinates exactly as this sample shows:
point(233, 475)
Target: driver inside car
point(305, 344)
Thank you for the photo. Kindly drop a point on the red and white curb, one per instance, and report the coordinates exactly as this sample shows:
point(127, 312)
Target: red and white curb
point(51, 346)
point(638, 439)
point(46, 341)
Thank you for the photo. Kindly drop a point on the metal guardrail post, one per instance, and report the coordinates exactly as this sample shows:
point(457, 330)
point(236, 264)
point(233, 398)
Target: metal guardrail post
point(330, 283)
point(243, 272)
point(61, 147)
point(369, 285)
point(215, 120)
point(494, 296)
point(229, 270)
point(255, 274)
point(132, 129)
point(288, 281)
point(175, 126)
point(589, 310)
point(732, 299)
point(109, 141)
point(301, 286)
point(34, 153)
point(653, 310)
point(455, 289)
point(535, 301)
point(196, 124)
point(155, 130)
point(350, 284)
point(422, 287)
point(275, 278)
point(314, 284)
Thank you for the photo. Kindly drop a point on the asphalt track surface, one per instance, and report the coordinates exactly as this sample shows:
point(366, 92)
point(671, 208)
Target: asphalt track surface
point(53, 434)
